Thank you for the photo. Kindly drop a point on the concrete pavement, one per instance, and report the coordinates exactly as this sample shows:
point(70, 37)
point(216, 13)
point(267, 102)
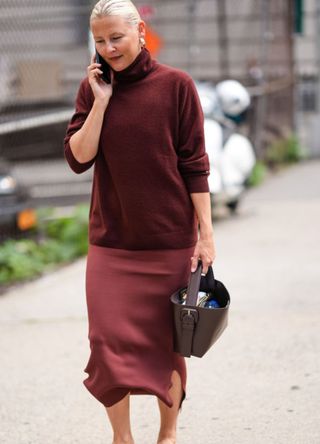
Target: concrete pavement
point(259, 384)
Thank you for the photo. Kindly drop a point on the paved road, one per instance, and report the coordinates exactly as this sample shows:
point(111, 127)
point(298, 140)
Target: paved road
point(260, 383)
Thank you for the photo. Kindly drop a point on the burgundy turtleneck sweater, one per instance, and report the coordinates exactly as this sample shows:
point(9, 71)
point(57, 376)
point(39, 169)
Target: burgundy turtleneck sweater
point(151, 156)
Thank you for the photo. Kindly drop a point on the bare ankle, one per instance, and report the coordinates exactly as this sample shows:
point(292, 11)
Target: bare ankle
point(167, 437)
point(166, 441)
point(123, 440)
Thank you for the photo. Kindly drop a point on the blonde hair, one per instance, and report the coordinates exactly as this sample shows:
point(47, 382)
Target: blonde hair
point(123, 8)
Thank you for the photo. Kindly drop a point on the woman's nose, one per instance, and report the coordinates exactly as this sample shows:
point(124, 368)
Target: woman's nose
point(109, 47)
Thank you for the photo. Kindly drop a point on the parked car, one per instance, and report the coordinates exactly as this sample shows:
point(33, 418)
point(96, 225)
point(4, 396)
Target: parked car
point(16, 214)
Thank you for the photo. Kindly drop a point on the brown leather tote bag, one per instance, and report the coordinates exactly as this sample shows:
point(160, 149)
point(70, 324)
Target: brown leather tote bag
point(196, 328)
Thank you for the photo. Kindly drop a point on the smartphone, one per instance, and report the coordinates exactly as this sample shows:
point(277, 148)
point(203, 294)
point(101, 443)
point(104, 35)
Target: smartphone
point(105, 68)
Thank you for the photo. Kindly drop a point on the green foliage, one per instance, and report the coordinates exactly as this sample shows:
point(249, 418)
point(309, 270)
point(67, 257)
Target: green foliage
point(258, 174)
point(19, 260)
point(284, 151)
point(62, 240)
point(71, 232)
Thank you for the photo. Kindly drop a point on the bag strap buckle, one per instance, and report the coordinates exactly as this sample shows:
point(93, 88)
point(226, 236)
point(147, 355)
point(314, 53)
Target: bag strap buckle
point(189, 317)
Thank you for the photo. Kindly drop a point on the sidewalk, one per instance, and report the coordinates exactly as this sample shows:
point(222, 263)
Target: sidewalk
point(259, 384)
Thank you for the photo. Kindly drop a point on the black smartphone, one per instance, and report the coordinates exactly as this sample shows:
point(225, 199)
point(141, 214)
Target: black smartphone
point(105, 68)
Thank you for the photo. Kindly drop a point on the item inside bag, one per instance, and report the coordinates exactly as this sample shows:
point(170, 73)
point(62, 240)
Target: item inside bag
point(205, 300)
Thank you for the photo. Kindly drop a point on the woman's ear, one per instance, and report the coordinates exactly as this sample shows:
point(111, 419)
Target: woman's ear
point(142, 29)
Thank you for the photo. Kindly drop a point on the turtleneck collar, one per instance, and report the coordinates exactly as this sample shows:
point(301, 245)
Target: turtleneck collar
point(138, 69)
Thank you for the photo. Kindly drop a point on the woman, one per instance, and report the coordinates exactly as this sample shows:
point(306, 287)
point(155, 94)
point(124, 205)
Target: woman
point(144, 135)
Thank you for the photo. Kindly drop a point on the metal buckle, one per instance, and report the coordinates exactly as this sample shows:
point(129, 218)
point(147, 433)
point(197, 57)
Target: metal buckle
point(191, 313)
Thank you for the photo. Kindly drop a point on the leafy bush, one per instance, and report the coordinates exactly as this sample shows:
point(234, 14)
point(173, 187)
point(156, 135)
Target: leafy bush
point(19, 260)
point(60, 240)
point(71, 232)
point(258, 174)
point(282, 151)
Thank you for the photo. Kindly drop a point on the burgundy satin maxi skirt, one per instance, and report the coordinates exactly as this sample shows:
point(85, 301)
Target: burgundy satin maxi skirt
point(130, 321)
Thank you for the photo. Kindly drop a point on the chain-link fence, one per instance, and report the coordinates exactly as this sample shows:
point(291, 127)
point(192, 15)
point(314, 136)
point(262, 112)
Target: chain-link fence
point(43, 50)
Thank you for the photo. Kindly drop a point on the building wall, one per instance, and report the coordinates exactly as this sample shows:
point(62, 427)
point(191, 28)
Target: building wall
point(306, 43)
point(307, 63)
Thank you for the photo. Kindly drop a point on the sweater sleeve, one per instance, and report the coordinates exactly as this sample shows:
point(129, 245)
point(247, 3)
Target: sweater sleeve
point(83, 106)
point(193, 161)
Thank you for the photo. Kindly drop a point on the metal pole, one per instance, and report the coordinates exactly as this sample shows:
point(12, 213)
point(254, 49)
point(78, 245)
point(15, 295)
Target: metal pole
point(317, 46)
point(291, 66)
point(223, 39)
point(191, 45)
point(261, 100)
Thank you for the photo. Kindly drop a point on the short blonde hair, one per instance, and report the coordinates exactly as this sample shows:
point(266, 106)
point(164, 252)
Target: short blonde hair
point(123, 8)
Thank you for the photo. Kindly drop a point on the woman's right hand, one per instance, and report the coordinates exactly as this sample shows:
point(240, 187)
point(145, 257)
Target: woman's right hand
point(102, 91)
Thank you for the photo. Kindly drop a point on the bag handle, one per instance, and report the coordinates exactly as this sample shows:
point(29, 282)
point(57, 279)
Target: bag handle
point(194, 283)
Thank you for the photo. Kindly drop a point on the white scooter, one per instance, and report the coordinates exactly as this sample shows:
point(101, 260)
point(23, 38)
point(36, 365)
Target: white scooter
point(231, 154)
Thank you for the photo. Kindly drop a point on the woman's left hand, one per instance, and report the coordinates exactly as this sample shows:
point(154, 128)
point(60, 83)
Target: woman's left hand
point(205, 251)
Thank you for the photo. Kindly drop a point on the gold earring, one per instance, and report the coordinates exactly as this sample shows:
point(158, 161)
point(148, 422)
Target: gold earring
point(142, 42)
